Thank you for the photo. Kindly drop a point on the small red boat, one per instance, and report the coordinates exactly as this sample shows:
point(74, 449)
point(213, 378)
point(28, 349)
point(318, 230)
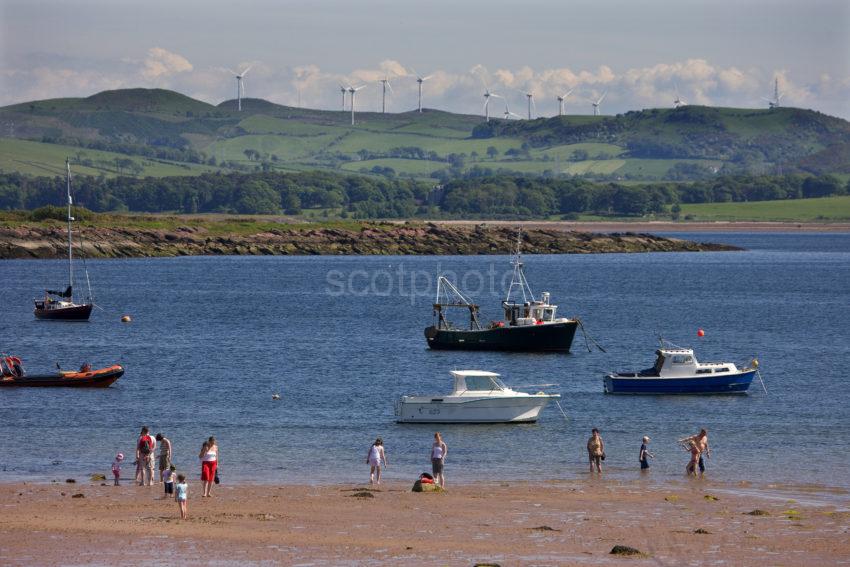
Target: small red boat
point(13, 375)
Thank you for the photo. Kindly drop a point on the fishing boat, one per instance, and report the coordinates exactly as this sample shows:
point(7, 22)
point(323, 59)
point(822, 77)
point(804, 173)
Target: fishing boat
point(477, 397)
point(12, 374)
point(59, 304)
point(677, 371)
point(529, 325)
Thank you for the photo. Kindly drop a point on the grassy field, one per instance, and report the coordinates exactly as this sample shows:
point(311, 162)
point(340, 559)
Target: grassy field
point(36, 158)
point(803, 210)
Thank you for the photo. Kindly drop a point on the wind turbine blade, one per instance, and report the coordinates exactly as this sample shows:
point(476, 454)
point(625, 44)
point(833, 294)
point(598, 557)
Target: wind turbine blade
point(765, 99)
point(231, 71)
point(246, 70)
point(360, 87)
point(426, 78)
point(602, 97)
point(390, 87)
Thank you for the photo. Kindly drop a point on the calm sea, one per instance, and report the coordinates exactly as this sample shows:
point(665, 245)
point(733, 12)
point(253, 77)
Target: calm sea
point(340, 338)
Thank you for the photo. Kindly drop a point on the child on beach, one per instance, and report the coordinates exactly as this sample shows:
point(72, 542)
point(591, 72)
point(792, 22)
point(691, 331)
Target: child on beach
point(181, 495)
point(168, 479)
point(376, 457)
point(116, 467)
point(644, 454)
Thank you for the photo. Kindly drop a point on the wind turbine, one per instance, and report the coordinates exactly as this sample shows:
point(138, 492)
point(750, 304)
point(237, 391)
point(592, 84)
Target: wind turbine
point(597, 103)
point(385, 82)
point(508, 113)
point(561, 100)
point(240, 87)
point(487, 95)
point(678, 102)
point(530, 96)
point(420, 79)
point(343, 90)
point(777, 96)
point(353, 91)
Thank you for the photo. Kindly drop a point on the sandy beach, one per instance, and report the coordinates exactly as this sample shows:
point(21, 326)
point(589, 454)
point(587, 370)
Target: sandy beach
point(506, 523)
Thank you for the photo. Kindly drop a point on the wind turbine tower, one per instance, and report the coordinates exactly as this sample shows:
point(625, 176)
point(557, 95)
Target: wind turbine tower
point(530, 96)
point(420, 79)
point(240, 87)
point(487, 95)
point(385, 82)
point(353, 91)
point(561, 100)
point(343, 90)
point(597, 103)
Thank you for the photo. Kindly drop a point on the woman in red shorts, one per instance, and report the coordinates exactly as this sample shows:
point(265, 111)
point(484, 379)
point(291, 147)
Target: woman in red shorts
point(209, 462)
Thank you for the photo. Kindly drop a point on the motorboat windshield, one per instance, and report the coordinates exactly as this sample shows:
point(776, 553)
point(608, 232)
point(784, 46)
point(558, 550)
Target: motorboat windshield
point(473, 381)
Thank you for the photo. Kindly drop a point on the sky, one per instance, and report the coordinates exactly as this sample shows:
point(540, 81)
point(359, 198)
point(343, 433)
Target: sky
point(638, 53)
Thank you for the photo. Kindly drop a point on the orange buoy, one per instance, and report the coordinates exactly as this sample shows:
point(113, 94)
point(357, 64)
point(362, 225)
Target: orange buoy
point(700, 333)
point(126, 319)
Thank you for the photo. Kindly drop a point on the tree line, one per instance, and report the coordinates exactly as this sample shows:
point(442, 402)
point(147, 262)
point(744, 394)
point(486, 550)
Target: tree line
point(359, 196)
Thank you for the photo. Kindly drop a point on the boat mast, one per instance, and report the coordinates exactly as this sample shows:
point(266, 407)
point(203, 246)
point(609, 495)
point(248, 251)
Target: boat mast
point(70, 249)
point(518, 277)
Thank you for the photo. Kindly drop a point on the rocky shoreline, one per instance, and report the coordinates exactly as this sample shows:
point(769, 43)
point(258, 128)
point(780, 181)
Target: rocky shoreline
point(49, 241)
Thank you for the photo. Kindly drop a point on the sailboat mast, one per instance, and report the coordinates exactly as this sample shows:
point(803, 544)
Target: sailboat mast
point(70, 218)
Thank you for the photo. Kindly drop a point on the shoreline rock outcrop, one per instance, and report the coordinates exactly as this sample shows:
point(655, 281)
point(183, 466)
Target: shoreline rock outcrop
point(46, 241)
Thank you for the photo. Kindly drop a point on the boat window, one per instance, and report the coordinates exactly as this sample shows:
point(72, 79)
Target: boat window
point(682, 359)
point(548, 314)
point(479, 383)
point(703, 371)
point(722, 370)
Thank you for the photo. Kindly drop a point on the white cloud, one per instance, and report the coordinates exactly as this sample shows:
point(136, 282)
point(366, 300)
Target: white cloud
point(162, 63)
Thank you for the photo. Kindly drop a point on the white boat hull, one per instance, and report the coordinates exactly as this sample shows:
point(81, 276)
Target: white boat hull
point(520, 409)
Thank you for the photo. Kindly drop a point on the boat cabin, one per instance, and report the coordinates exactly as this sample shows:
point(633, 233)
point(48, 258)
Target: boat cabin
point(530, 312)
point(672, 363)
point(476, 381)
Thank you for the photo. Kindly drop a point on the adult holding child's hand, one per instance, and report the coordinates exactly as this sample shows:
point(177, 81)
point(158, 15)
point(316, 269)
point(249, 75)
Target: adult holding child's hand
point(209, 462)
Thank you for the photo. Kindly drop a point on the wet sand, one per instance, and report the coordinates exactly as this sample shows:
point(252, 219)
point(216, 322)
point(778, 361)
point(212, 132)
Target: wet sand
point(507, 523)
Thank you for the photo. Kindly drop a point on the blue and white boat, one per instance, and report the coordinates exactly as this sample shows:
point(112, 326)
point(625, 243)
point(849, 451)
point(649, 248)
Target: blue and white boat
point(677, 371)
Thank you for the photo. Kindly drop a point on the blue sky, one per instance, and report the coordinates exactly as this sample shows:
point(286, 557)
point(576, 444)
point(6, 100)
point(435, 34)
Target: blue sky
point(720, 52)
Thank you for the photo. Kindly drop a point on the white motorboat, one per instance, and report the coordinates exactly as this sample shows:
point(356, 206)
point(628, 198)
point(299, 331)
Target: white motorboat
point(477, 397)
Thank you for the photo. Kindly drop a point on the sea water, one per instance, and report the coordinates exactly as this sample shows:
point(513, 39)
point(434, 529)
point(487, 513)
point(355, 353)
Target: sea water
point(341, 338)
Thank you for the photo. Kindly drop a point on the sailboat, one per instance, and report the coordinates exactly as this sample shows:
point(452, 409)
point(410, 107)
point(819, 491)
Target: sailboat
point(59, 304)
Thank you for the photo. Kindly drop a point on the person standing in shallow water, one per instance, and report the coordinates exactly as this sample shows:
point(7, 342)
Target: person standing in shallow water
point(701, 442)
point(595, 450)
point(644, 454)
point(438, 459)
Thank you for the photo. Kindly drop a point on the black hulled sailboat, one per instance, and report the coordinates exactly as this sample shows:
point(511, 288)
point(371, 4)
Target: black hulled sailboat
point(58, 304)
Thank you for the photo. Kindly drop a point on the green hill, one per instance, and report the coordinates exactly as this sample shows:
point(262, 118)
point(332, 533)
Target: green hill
point(658, 144)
